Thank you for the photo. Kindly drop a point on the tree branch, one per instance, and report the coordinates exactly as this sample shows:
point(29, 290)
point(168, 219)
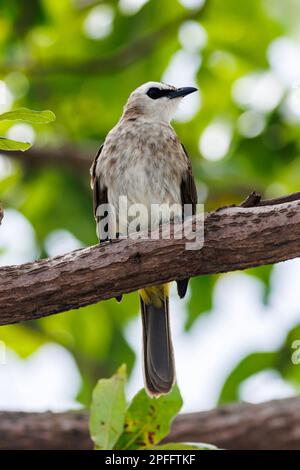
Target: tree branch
point(234, 238)
point(272, 425)
point(254, 200)
point(269, 425)
point(66, 156)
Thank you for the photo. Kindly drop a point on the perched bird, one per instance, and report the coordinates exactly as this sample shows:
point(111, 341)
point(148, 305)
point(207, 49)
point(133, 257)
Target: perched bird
point(143, 160)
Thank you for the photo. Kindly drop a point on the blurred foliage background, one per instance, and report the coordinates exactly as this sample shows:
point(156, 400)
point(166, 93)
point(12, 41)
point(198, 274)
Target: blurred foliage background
point(81, 59)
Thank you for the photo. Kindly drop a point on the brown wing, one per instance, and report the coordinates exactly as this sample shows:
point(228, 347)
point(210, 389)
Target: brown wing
point(99, 190)
point(99, 196)
point(188, 188)
point(188, 196)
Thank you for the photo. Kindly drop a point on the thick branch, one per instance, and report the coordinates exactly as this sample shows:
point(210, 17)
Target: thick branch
point(235, 238)
point(272, 425)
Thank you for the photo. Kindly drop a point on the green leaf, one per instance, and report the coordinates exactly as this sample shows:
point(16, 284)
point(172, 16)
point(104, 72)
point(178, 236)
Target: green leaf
point(263, 273)
point(108, 410)
point(284, 364)
point(148, 420)
point(201, 299)
point(24, 340)
point(28, 115)
point(250, 365)
point(7, 144)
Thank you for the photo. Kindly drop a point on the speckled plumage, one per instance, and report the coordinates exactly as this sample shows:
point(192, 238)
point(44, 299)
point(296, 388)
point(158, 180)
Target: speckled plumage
point(143, 161)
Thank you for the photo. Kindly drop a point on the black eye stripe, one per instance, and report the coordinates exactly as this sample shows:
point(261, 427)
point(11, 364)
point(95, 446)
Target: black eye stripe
point(156, 93)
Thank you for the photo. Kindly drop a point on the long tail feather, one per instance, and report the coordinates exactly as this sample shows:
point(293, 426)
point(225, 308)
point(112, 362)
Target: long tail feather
point(159, 368)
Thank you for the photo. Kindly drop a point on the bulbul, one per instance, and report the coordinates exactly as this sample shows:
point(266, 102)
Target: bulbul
point(143, 159)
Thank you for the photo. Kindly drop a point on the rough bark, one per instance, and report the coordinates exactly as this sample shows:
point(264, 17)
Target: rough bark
point(271, 425)
point(235, 238)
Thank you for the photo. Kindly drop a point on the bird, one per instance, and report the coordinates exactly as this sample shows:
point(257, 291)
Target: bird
point(143, 159)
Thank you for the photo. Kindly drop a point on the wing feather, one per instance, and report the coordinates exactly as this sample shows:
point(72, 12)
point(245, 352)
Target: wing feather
point(99, 189)
point(188, 188)
point(188, 196)
point(99, 196)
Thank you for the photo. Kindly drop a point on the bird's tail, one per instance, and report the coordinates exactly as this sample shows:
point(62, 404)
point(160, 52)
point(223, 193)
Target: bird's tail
point(159, 368)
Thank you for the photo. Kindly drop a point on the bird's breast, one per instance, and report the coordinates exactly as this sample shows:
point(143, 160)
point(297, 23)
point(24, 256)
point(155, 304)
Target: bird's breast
point(147, 180)
point(145, 167)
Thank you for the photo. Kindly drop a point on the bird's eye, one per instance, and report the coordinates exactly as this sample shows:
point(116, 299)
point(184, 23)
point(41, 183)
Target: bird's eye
point(156, 93)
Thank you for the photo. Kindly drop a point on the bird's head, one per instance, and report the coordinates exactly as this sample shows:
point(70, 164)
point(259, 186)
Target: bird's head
point(155, 101)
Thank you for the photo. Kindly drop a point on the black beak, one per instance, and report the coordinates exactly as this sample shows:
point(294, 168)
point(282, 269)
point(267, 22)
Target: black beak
point(181, 92)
